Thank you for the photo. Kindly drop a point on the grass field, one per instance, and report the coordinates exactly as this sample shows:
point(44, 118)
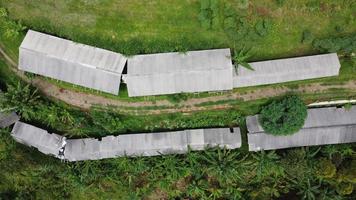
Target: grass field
point(146, 26)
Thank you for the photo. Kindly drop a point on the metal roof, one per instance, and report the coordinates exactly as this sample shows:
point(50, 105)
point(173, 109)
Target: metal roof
point(36, 137)
point(71, 62)
point(142, 144)
point(151, 144)
point(285, 70)
point(322, 126)
point(169, 73)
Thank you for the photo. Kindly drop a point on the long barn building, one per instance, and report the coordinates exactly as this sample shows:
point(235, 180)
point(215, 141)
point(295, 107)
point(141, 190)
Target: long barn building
point(71, 62)
point(286, 70)
point(143, 144)
point(170, 73)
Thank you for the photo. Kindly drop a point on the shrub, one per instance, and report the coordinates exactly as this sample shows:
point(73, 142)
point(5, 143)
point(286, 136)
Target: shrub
point(325, 169)
point(108, 121)
point(20, 98)
point(209, 14)
point(177, 98)
point(230, 23)
point(345, 44)
point(263, 27)
point(307, 37)
point(283, 117)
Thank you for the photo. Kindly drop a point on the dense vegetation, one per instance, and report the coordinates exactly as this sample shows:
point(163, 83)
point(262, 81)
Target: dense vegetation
point(302, 173)
point(283, 117)
point(345, 44)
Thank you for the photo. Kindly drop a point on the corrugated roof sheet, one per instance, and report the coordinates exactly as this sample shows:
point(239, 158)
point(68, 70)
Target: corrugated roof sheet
point(151, 144)
point(322, 126)
point(71, 62)
point(177, 62)
point(305, 137)
point(285, 70)
point(169, 73)
point(38, 138)
point(142, 144)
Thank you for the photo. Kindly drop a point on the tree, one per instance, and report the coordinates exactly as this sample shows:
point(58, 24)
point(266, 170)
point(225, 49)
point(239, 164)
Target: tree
point(283, 117)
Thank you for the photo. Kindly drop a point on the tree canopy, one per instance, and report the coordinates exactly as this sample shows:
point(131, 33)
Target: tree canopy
point(283, 117)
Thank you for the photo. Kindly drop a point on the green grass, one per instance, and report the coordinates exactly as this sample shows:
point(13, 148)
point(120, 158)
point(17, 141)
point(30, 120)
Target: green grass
point(138, 26)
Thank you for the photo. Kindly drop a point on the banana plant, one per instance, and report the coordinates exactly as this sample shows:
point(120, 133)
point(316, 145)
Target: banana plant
point(240, 58)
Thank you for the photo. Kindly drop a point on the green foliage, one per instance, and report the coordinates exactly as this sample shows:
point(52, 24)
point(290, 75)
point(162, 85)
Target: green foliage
point(307, 189)
point(325, 169)
point(108, 121)
point(8, 28)
point(240, 58)
point(230, 23)
point(225, 165)
point(266, 164)
point(345, 44)
point(20, 98)
point(205, 18)
point(283, 117)
point(176, 98)
point(263, 27)
point(209, 15)
point(7, 144)
point(307, 37)
point(345, 188)
point(3, 13)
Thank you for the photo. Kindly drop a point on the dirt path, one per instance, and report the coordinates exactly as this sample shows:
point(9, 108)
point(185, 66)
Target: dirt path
point(86, 100)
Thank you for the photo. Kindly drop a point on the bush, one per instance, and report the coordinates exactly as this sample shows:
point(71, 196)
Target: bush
point(307, 37)
point(345, 44)
point(110, 122)
point(209, 14)
point(283, 117)
point(263, 27)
